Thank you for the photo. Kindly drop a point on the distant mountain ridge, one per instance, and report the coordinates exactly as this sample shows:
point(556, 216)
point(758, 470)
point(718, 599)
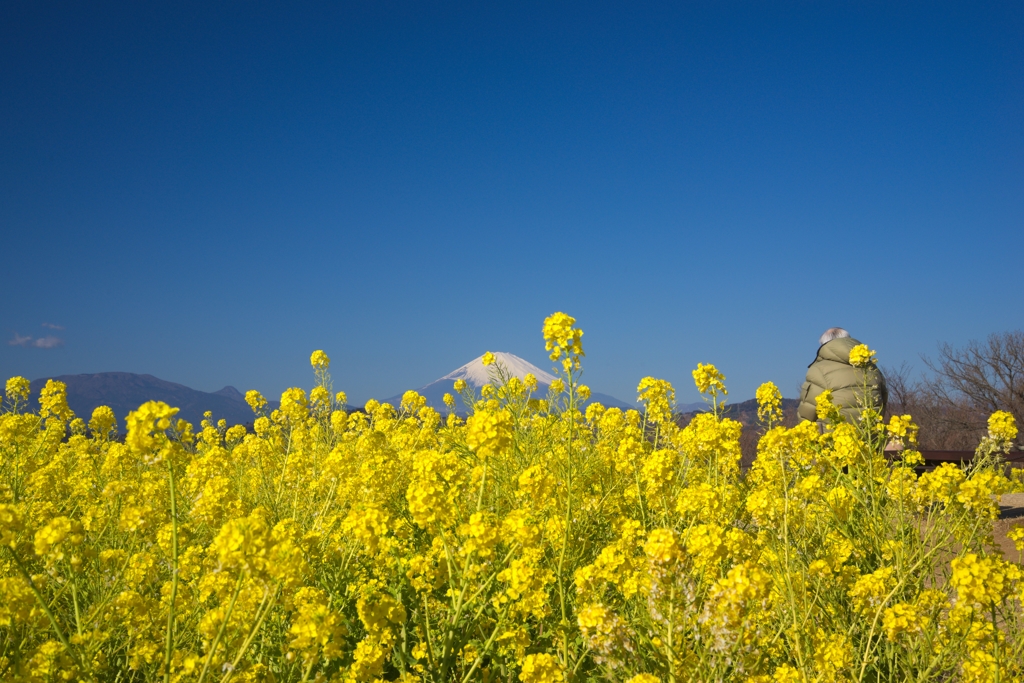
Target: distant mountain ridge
point(744, 412)
point(124, 392)
point(231, 393)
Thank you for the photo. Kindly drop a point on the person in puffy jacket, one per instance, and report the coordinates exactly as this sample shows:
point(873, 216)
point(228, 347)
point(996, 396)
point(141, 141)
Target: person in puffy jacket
point(831, 369)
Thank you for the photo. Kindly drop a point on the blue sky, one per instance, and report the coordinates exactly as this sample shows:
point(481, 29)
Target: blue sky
point(208, 193)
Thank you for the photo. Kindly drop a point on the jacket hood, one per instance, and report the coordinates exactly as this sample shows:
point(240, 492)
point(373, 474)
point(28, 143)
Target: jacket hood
point(837, 350)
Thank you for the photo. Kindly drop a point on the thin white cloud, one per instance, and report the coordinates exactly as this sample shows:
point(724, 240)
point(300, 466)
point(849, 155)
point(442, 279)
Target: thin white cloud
point(51, 326)
point(48, 342)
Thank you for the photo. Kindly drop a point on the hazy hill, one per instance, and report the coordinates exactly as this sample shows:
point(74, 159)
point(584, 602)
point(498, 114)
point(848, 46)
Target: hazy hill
point(744, 412)
point(125, 391)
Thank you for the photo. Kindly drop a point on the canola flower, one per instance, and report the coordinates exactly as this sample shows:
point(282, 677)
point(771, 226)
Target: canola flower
point(563, 341)
point(769, 403)
point(531, 540)
point(861, 356)
point(1002, 427)
point(319, 360)
point(709, 379)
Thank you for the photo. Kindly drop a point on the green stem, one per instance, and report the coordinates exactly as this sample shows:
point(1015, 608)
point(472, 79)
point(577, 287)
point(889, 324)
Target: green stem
point(74, 600)
point(223, 625)
point(426, 631)
point(169, 641)
point(487, 646)
point(309, 669)
point(568, 521)
point(272, 595)
point(46, 609)
point(669, 641)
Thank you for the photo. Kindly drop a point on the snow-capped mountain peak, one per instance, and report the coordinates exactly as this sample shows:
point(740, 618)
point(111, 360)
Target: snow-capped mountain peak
point(477, 374)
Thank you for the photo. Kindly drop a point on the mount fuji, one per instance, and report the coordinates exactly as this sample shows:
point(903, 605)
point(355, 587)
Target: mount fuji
point(476, 375)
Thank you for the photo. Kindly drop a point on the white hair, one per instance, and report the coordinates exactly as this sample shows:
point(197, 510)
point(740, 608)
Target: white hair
point(833, 333)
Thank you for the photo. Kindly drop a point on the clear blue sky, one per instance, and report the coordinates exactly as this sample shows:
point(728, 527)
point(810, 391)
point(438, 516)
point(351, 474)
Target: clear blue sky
point(207, 192)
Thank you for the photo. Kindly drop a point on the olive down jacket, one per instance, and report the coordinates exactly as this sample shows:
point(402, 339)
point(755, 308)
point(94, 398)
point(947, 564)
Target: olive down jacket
point(831, 369)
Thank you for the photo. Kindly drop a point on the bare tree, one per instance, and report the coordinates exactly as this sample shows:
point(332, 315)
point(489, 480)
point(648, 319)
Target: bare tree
point(966, 386)
point(904, 393)
point(950, 424)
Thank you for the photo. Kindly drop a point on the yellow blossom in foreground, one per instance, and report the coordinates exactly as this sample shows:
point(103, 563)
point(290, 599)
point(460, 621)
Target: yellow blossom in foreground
point(319, 397)
point(732, 598)
point(662, 546)
point(769, 402)
point(659, 397)
point(53, 540)
point(561, 338)
point(146, 426)
point(412, 402)
point(10, 524)
point(982, 580)
point(103, 421)
point(319, 360)
point(902, 427)
point(488, 358)
point(488, 433)
point(787, 674)
point(861, 356)
point(295, 405)
point(1016, 534)
point(709, 380)
point(541, 668)
point(53, 401)
point(872, 590)
point(825, 407)
point(255, 400)
point(1002, 426)
point(902, 618)
point(832, 655)
point(17, 389)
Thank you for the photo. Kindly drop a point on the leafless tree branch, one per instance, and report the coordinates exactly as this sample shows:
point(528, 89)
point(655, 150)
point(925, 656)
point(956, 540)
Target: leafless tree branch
point(966, 386)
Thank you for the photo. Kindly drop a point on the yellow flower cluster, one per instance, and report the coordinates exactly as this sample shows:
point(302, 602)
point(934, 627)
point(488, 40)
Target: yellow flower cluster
point(861, 356)
point(488, 432)
point(825, 407)
point(1002, 426)
point(53, 401)
point(709, 379)
point(319, 360)
point(769, 403)
point(902, 428)
point(983, 581)
point(658, 397)
point(17, 390)
point(902, 618)
point(563, 341)
point(530, 540)
point(541, 668)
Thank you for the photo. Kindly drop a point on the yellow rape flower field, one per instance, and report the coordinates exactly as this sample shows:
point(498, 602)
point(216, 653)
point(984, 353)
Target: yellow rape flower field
point(534, 541)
